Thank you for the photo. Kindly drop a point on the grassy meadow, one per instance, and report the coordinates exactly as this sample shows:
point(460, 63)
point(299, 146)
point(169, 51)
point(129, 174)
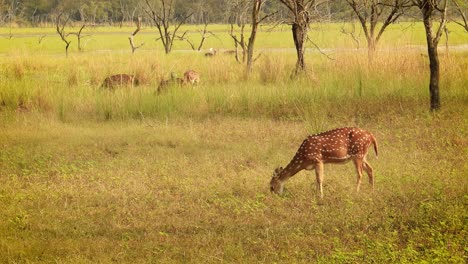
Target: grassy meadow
point(89, 175)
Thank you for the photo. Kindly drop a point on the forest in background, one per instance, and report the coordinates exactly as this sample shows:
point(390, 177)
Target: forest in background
point(120, 12)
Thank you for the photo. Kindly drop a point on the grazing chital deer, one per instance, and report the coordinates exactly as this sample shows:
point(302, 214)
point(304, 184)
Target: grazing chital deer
point(119, 80)
point(334, 146)
point(192, 77)
point(163, 84)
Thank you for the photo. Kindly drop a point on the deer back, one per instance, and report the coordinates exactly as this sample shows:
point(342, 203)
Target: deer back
point(119, 80)
point(336, 145)
point(191, 76)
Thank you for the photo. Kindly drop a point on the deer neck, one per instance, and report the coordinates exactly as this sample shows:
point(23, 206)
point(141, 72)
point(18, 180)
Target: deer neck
point(288, 172)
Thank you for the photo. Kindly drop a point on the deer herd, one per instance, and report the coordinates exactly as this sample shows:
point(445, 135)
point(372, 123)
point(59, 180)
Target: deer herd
point(190, 77)
point(335, 146)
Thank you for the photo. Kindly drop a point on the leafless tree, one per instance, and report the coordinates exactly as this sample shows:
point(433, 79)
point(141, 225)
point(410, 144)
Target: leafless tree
point(132, 43)
point(41, 37)
point(375, 13)
point(352, 34)
point(301, 17)
point(204, 33)
point(79, 36)
point(238, 21)
point(460, 11)
point(164, 19)
point(239, 16)
point(432, 10)
point(60, 26)
point(256, 20)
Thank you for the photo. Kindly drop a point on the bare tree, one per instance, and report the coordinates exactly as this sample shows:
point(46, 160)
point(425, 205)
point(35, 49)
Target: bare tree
point(238, 17)
point(204, 33)
point(79, 36)
point(430, 10)
point(352, 34)
point(372, 13)
point(256, 20)
point(460, 11)
point(163, 19)
point(132, 43)
point(41, 37)
point(301, 17)
point(60, 26)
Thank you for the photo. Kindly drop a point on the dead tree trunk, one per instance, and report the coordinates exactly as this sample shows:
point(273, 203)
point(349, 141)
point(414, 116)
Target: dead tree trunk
point(239, 41)
point(132, 43)
point(79, 36)
point(61, 32)
point(238, 16)
point(204, 35)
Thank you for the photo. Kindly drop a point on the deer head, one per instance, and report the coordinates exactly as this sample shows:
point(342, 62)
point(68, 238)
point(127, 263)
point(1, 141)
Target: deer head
point(276, 186)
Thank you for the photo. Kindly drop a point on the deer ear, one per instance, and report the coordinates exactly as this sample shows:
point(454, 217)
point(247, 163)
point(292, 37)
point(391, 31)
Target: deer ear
point(278, 171)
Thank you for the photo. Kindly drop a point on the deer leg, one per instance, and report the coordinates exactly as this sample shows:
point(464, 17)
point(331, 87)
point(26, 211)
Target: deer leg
point(358, 164)
point(370, 174)
point(319, 177)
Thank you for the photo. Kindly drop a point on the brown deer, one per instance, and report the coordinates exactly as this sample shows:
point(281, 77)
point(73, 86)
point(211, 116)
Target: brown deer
point(229, 52)
point(334, 146)
point(119, 80)
point(192, 77)
point(164, 84)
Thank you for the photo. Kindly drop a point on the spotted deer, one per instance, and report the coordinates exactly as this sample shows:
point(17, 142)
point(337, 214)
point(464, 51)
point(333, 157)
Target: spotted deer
point(335, 146)
point(119, 80)
point(192, 77)
point(174, 80)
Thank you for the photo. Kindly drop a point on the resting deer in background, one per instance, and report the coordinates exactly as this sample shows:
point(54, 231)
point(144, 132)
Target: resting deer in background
point(192, 77)
point(334, 146)
point(212, 52)
point(119, 80)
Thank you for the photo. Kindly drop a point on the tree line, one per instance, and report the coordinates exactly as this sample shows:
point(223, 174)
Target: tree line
point(118, 12)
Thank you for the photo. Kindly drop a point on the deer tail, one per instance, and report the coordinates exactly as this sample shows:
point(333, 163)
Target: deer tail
point(374, 142)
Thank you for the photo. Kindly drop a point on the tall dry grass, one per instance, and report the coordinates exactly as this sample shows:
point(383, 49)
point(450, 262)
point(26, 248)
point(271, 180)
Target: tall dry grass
point(70, 88)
